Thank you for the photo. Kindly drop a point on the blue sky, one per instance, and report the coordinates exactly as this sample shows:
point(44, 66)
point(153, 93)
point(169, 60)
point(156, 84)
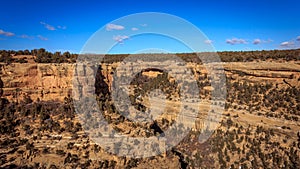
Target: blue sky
point(228, 25)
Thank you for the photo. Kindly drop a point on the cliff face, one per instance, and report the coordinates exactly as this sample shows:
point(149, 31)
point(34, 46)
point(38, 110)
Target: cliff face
point(55, 81)
point(43, 81)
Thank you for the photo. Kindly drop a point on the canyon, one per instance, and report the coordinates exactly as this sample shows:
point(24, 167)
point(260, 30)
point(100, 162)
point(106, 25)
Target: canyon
point(260, 111)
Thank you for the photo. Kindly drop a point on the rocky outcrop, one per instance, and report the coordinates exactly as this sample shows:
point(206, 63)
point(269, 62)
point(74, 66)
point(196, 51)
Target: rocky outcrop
point(43, 81)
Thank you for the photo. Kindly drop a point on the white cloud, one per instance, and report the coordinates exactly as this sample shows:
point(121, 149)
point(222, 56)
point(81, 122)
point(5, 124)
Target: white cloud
point(144, 25)
point(61, 27)
point(2, 32)
point(208, 41)
point(42, 38)
point(269, 41)
point(26, 37)
point(47, 26)
point(134, 29)
point(52, 28)
point(298, 38)
point(287, 44)
point(110, 27)
point(257, 41)
point(235, 41)
point(120, 38)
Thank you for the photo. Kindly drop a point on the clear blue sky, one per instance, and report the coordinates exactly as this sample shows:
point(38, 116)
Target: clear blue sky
point(230, 25)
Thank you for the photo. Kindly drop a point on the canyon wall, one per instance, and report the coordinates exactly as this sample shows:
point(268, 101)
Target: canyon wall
point(55, 81)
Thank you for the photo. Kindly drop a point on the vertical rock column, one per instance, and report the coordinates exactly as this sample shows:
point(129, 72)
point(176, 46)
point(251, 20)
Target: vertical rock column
point(1, 86)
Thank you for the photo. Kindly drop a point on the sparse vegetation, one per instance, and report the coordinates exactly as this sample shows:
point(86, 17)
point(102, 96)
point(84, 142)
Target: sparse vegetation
point(259, 128)
point(43, 56)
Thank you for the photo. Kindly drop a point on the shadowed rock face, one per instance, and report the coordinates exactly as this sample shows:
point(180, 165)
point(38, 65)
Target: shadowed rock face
point(1, 86)
point(101, 87)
